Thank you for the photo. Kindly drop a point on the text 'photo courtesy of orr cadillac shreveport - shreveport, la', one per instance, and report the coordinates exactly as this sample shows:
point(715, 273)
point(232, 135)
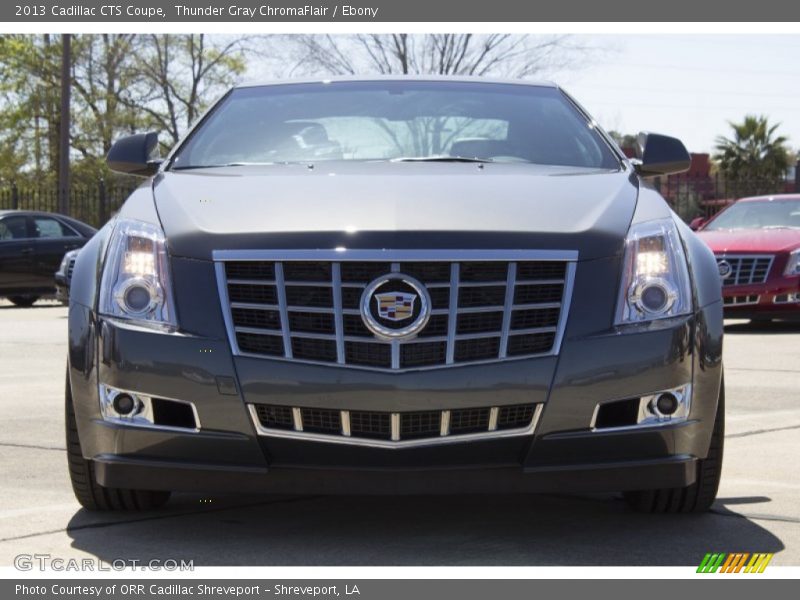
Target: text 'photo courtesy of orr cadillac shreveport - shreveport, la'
point(396, 285)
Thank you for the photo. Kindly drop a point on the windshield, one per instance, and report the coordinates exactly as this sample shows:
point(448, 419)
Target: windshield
point(759, 215)
point(395, 120)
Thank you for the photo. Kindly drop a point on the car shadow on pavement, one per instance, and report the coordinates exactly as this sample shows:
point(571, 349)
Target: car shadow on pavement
point(762, 327)
point(38, 305)
point(495, 530)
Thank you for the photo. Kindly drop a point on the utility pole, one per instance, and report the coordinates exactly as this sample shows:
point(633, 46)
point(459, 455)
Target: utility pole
point(63, 141)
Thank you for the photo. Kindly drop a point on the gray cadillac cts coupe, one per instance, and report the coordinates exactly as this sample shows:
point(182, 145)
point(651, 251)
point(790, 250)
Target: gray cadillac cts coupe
point(404, 285)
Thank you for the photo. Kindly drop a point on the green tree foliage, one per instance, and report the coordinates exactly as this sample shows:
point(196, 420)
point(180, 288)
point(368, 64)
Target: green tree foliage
point(29, 110)
point(624, 140)
point(755, 159)
point(121, 83)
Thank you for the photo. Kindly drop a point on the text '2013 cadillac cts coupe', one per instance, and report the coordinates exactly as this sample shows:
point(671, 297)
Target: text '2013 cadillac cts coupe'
point(401, 285)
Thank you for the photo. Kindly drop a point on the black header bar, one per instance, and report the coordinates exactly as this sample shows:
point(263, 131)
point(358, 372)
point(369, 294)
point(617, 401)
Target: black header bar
point(365, 11)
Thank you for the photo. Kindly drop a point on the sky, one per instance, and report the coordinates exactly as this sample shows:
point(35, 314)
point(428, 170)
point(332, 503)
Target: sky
point(688, 86)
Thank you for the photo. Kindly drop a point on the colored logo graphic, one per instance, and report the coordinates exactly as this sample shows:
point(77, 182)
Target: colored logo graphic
point(395, 306)
point(401, 308)
point(738, 562)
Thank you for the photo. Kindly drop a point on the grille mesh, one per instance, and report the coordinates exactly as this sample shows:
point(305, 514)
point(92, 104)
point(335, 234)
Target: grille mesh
point(289, 309)
point(410, 425)
point(70, 269)
point(746, 270)
point(275, 417)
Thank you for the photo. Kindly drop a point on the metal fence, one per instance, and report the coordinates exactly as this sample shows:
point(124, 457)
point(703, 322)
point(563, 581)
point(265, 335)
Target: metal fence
point(93, 204)
point(692, 197)
point(689, 196)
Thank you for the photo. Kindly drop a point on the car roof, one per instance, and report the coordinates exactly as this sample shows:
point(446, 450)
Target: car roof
point(380, 78)
point(34, 213)
point(770, 198)
point(43, 213)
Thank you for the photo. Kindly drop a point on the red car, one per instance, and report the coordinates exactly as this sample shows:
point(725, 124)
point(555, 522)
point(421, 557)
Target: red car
point(757, 245)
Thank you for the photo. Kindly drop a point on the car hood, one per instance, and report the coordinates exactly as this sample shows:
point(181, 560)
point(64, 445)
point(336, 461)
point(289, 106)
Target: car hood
point(395, 205)
point(751, 240)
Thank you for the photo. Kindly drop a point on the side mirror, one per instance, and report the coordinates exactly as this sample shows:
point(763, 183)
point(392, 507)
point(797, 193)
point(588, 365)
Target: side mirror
point(131, 155)
point(697, 223)
point(660, 155)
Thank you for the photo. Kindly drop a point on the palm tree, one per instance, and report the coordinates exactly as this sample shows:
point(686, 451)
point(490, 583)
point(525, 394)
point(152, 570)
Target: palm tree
point(755, 160)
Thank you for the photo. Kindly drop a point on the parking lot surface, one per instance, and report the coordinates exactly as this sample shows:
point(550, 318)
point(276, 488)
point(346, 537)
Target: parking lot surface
point(758, 509)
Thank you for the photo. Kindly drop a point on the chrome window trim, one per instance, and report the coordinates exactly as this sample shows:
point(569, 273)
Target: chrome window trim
point(394, 445)
point(394, 258)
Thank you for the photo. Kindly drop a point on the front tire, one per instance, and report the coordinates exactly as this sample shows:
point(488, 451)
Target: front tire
point(699, 496)
point(90, 494)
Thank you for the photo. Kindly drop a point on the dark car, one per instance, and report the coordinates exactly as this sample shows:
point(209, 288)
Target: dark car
point(63, 277)
point(32, 245)
point(757, 245)
point(391, 286)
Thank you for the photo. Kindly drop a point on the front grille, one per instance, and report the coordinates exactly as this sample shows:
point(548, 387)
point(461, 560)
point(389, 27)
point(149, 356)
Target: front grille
point(70, 268)
point(741, 300)
point(745, 269)
point(358, 426)
point(481, 310)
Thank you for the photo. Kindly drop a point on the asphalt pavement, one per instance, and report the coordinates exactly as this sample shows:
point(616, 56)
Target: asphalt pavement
point(758, 509)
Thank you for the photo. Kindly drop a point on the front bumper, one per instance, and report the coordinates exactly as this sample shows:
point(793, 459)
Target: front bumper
point(777, 298)
point(563, 453)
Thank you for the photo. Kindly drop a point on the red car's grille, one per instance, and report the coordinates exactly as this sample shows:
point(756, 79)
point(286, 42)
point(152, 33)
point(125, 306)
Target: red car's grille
point(743, 269)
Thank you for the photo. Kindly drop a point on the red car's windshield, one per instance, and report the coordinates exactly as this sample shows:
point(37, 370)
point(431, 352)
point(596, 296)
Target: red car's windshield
point(775, 214)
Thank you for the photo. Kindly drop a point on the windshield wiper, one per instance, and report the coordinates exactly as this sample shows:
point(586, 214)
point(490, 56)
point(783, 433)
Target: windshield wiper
point(465, 159)
point(241, 164)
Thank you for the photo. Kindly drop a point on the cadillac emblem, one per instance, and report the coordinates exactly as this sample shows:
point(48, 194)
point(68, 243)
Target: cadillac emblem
point(395, 306)
point(725, 269)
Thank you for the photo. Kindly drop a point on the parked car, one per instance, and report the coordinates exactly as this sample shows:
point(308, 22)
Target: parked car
point(757, 245)
point(426, 285)
point(32, 245)
point(63, 276)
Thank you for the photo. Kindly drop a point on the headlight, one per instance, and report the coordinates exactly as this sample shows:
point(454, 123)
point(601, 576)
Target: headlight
point(62, 268)
point(655, 280)
point(793, 265)
point(136, 283)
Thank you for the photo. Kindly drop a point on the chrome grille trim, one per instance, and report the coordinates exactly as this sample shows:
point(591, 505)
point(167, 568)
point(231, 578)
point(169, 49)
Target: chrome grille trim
point(452, 319)
point(444, 424)
point(389, 255)
point(297, 415)
point(335, 339)
point(445, 437)
point(511, 277)
point(345, 416)
point(280, 287)
point(493, 414)
point(758, 271)
point(338, 315)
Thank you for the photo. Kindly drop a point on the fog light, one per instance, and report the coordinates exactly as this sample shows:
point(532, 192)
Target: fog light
point(667, 404)
point(124, 404)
